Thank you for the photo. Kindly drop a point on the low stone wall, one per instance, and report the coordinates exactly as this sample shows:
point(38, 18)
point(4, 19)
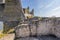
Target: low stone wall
point(49, 26)
point(41, 27)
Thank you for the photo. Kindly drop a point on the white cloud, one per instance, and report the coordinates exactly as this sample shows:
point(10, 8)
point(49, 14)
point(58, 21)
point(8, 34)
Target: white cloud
point(54, 12)
point(46, 6)
point(49, 5)
point(55, 9)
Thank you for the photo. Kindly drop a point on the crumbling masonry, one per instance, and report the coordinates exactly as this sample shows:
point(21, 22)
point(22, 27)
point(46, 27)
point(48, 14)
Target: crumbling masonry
point(36, 26)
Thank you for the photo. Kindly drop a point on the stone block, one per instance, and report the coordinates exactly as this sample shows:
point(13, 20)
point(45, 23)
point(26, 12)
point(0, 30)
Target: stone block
point(22, 31)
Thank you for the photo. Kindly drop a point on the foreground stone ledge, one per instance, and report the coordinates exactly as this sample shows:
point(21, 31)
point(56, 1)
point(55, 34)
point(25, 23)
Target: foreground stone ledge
point(8, 37)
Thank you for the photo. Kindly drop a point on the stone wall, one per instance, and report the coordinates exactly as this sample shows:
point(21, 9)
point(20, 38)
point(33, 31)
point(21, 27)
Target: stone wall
point(22, 30)
point(40, 27)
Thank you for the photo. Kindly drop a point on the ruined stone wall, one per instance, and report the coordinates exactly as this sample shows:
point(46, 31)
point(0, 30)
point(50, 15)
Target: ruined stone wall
point(40, 27)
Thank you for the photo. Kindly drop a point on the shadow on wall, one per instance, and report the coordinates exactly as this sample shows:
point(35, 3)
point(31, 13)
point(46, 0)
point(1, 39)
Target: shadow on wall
point(9, 25)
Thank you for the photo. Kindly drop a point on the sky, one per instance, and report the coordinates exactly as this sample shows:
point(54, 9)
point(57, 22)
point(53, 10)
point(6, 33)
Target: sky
point(43, 8)
point(1, 25)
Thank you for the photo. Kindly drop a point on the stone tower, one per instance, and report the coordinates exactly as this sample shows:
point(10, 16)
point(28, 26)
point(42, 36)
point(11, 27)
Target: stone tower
point(28, 13)
point(10, 13)
point(11, 10)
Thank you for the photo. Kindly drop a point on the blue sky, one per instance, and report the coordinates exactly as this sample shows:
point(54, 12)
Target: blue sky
point(1, 25)
point(43, 8)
